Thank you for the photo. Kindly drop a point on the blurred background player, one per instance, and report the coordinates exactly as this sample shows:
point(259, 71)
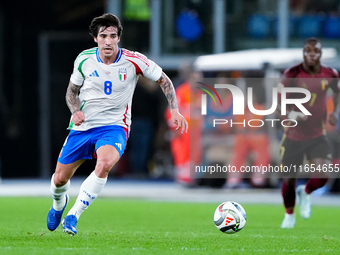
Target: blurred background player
point(249, 142)
point(217, 139)
point(184, 156)
point(99, 96)
point(307, 138)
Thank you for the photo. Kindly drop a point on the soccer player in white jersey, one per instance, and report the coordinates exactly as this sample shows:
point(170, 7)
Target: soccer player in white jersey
point(99, 96)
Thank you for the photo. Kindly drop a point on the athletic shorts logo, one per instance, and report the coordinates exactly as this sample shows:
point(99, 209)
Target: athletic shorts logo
point(122, 73)
point(119, 145)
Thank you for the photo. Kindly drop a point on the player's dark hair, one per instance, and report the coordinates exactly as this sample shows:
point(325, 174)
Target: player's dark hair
point(312, 40)
point(106, 20)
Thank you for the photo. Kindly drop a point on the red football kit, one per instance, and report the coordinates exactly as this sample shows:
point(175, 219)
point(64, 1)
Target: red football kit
point(317, 85)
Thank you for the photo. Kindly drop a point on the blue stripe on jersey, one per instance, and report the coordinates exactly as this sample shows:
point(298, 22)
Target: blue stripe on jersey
point(119, 56)
point(98, 58)
point(120, 52)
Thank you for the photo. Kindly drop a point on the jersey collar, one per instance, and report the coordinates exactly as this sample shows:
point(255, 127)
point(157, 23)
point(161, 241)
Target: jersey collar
point(119, 56)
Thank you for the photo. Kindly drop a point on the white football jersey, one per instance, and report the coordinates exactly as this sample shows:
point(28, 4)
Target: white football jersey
point(107, 90)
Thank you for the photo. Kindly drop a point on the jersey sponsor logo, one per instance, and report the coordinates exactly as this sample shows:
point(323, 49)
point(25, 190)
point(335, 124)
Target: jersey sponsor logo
point(119, 145)
point(94, 74)
point(122, 73)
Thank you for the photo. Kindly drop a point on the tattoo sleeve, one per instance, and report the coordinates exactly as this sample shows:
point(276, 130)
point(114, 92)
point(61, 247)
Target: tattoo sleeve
point(72, 99)
point(168, 90)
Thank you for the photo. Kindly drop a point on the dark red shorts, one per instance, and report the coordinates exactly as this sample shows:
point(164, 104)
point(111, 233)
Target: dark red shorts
point(294, 152)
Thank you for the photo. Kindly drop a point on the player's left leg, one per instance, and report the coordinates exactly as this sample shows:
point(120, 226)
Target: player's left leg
point(60, 183)
point(109, 143)
point(319, 155)
point(304, 191)
point(108, 156)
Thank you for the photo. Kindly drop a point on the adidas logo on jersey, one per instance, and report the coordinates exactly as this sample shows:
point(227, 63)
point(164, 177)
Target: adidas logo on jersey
point(119, 145)
point(94, 74)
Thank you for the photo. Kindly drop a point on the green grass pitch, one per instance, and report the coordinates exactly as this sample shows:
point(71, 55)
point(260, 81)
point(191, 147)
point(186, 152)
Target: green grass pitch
point(117, 226)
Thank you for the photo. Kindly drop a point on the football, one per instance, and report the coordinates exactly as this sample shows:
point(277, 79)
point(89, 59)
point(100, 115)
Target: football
point(230, 217)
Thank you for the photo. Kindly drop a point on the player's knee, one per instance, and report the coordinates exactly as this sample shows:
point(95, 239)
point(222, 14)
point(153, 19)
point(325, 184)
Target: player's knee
point(60, 180)
point(103, 167)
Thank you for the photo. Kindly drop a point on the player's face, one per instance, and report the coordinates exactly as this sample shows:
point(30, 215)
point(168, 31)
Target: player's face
point(107, 40)
point(312, 53)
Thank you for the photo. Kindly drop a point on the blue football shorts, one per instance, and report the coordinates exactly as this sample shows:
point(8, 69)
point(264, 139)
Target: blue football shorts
point(83, 144)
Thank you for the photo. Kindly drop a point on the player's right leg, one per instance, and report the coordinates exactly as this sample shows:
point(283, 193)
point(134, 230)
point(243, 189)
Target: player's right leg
point(292, 154)
point(60, 183)
point(74, 152)
point(288, 195)
point(60, 200)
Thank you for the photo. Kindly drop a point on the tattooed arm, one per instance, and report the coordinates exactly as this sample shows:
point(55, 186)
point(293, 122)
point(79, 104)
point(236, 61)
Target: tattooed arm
point(168, 90)
point(73, 103)
point(170, 94)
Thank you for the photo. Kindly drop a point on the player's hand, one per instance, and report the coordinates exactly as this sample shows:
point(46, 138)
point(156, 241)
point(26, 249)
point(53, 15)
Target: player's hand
point(78, 118)
point(298, 116)
point(179, 121)
point(333, 118)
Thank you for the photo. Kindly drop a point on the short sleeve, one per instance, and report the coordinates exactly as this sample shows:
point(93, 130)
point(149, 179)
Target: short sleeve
point(144, 66)
point(77, 76)
point(153, 71)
